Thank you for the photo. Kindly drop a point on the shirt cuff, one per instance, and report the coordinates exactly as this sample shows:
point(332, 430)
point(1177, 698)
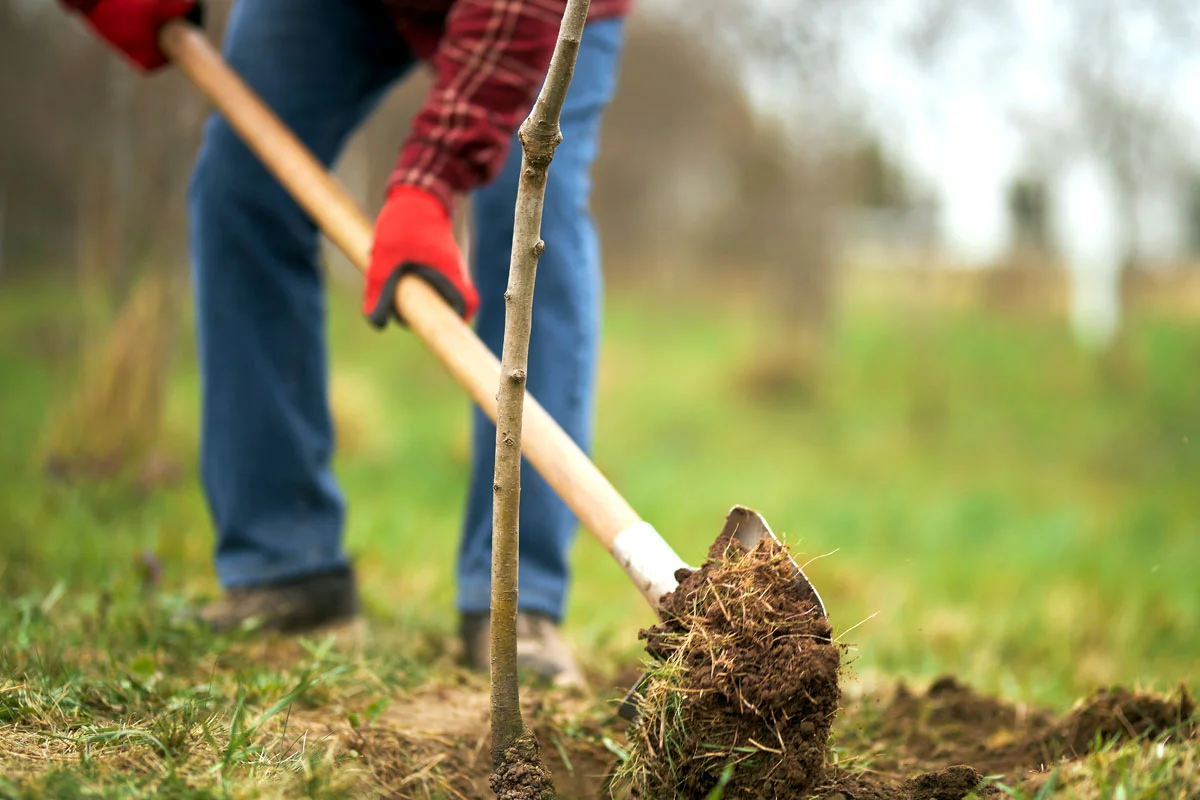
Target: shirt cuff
point(431, 169)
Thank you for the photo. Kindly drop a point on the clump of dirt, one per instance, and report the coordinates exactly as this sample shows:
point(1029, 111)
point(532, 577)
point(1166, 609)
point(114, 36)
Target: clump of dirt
point(951, 783)
point(1116, 713)
point(953, 703)
point(743, 683)
point(939, 743)
point(844, 784)
point(951, 723)
point(521, 775)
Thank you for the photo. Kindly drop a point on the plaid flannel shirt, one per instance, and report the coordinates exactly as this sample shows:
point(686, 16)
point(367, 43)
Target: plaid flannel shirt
point(489, 58)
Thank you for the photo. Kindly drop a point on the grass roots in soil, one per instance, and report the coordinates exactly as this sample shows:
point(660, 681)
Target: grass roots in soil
point(742, 693)
point(743, 683)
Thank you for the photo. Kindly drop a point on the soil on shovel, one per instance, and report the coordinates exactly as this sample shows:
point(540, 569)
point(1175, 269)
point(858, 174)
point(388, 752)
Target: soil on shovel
point(743, 686)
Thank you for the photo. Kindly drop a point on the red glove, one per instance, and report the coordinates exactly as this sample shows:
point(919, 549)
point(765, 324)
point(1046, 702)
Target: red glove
point(131, 26)
point(413, 234)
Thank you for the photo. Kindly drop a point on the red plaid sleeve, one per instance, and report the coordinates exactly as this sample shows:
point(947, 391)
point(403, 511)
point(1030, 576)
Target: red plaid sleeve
point(489, 63)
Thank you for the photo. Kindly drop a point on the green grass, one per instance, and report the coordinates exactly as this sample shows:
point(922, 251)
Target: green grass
point(1132, 772)
point(989, 501)
point(131, 703)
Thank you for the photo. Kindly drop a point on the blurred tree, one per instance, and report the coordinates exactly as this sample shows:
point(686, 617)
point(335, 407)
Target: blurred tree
point(699, 172)
point(1027, 206)
point(877, 180)
point(791, 241)
point(33, 161)
point(1192, 182)
point(123, 146)
point(664, 173)
point(1116, 68)
point(1121, 62)
point(1083, 83)
point(1135, 134)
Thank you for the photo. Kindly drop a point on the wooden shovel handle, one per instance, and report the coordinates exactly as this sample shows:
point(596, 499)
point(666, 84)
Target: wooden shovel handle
point(599, 507)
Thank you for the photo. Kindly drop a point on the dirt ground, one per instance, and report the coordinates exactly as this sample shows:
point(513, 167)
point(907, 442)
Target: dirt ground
point(745, 684)
point(901, 744)
point(939, 744)
point(436, 742)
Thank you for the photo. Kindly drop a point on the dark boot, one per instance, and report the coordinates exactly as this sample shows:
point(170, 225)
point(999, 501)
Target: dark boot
point(296, 606)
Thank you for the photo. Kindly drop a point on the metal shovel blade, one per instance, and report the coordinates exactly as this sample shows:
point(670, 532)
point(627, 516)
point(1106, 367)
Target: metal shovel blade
point(749, 528)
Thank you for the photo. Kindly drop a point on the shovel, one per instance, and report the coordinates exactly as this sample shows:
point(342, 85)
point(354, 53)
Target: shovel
point(644, 555)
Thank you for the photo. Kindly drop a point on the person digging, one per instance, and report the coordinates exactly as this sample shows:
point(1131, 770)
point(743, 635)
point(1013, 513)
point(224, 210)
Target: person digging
point(266, 429)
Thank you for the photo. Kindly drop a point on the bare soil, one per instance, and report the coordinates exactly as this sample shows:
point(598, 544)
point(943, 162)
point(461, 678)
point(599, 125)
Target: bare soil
point(901, 744)
point(435, 742)
point(939, 745)
point(744, 673)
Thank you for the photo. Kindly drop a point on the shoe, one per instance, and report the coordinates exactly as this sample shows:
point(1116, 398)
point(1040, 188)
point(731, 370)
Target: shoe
point(541, 652)
point(296, 606)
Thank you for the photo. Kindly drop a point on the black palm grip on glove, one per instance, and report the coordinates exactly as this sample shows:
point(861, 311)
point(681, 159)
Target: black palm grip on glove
point(385, 309)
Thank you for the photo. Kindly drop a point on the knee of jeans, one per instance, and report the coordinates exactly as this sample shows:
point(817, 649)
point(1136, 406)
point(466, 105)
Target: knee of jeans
point(201, 183)
point(226, 175)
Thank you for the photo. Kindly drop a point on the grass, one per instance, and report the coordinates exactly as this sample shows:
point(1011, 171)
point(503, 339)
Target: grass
point(1130, 772)
point(131, 702)
point(989, 501)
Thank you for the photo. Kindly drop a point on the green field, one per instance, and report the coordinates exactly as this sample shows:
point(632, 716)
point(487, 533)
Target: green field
point(986, 500)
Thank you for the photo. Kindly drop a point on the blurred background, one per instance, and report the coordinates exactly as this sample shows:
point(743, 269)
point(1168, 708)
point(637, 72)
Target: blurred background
point(918, 279)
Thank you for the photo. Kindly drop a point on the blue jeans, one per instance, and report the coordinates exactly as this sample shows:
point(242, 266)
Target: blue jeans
point(267, 436)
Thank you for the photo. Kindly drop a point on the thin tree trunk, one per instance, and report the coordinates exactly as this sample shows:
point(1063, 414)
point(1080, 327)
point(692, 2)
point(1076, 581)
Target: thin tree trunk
point(539, 135)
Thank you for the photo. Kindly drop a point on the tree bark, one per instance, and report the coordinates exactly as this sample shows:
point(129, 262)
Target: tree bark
point(539, 136)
